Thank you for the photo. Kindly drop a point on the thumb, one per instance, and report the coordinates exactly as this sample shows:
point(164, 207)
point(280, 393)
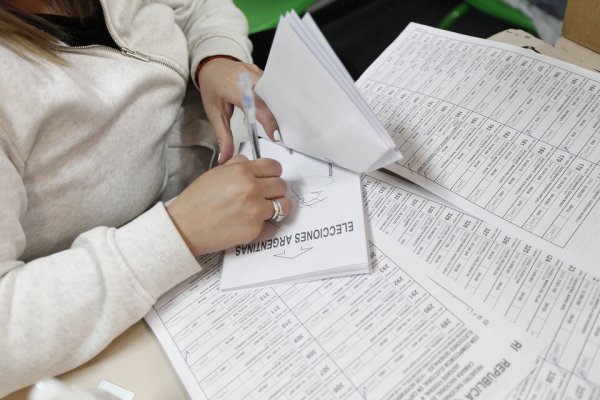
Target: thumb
point(221, 122)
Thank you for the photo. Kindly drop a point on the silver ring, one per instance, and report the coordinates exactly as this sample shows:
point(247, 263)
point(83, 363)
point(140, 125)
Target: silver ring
point(277, 211)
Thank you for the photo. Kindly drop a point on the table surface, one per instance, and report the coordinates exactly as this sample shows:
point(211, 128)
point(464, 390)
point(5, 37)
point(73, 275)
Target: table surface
point(135, 361)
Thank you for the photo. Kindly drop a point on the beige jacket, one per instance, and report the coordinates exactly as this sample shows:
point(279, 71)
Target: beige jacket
point(86, 247)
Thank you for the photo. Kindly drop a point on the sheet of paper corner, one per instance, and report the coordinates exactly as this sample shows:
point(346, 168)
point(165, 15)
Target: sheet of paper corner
point(116, 390)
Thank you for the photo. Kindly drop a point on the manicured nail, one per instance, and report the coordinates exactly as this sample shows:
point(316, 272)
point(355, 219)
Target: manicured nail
point(277, 135)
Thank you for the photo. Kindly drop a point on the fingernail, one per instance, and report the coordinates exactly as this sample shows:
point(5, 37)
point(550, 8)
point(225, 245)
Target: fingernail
point(277, 135)
point(219, 158)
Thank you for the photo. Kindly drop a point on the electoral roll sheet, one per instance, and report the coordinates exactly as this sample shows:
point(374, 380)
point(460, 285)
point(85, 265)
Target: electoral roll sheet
point(504, 133)
point(386, 335)
point(556, 302)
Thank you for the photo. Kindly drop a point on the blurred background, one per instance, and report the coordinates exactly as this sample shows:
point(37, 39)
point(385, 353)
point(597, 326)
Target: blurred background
point(359, 30)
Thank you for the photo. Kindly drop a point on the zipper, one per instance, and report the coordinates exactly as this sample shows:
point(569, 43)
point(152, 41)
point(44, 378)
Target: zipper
point(135, 54)
point(138, 55)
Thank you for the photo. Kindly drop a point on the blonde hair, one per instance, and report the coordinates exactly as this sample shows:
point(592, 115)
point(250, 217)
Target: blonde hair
point(38, 41)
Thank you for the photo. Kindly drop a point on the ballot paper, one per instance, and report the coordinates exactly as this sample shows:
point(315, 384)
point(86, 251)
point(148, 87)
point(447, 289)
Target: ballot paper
point(557, 303)
point(391, 334)
point(316, 103)
point(504, 133)
point(324, 235)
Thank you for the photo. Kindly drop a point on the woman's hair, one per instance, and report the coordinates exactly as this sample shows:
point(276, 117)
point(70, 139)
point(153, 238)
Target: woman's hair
point(31, 36)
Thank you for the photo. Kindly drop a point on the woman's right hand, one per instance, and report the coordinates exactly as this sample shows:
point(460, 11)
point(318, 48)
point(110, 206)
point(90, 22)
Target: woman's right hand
point(229, 204)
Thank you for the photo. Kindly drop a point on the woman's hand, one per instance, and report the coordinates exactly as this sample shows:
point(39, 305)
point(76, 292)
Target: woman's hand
point(229, 204)
point(219, 88)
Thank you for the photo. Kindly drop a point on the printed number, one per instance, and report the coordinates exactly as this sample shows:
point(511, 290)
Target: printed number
point(541, 150)
point(264, 296)
point(338, 388)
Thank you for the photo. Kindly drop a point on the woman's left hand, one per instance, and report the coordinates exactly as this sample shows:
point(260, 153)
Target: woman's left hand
point(219, 88)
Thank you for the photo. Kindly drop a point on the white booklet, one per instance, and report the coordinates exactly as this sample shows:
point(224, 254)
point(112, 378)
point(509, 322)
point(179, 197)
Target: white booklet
point(323, 237)
point(318, 108)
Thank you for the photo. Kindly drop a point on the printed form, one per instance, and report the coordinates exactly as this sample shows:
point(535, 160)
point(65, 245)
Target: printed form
point(556, 302)
point(386, 335)
point(504, 133)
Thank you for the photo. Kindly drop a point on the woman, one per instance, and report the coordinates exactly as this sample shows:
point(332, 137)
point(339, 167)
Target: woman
point(90, 93)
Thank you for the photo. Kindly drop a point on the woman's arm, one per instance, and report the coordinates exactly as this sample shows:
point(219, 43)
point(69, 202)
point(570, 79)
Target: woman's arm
point(217, 27)
point(57, 312)
point(212, 27)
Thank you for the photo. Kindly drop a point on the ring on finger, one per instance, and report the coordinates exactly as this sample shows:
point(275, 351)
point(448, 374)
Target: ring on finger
point(278, 215)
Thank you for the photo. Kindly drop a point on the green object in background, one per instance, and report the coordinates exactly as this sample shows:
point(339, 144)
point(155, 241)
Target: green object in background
point(264, 14)
point(496, 8)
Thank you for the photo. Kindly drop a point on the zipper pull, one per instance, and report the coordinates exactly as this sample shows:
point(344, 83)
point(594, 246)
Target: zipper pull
point(135, 54)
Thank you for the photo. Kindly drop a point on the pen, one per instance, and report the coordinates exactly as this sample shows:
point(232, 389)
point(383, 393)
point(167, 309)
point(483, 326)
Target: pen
point(250, 111)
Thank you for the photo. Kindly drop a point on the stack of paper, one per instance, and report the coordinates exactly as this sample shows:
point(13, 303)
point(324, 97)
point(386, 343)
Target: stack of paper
point(317, 105)
point(323, 237)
